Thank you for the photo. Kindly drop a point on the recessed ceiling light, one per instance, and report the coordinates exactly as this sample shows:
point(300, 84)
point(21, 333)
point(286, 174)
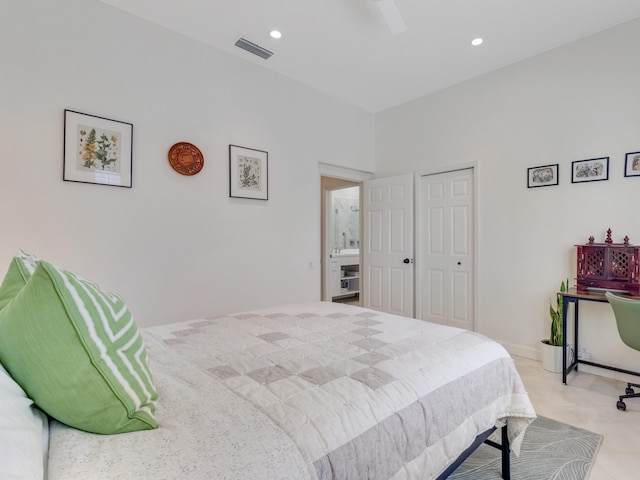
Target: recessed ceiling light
point(275, 34)
point(476, 41)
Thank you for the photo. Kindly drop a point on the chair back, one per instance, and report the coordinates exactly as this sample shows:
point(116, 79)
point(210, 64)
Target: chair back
point(627, 314)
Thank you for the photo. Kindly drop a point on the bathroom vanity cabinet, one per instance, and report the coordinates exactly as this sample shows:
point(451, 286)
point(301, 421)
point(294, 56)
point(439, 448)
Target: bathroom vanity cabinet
point(344, 276)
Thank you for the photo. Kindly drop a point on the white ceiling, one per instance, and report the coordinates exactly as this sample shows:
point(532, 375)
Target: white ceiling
point(345, 48)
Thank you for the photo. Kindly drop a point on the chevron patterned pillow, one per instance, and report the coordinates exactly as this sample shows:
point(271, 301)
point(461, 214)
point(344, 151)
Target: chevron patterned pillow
point(76, 351)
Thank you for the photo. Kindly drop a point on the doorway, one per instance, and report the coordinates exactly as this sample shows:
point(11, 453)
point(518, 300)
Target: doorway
point(341, 232)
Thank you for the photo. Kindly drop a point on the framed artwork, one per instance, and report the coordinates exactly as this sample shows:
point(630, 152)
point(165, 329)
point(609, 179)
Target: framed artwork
point(248, 173)
point(97, 150)
point(592, 170)
point(542, 176)
point(632, 165)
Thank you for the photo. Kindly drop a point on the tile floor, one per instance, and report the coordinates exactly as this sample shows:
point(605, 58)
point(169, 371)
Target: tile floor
point(589, 401)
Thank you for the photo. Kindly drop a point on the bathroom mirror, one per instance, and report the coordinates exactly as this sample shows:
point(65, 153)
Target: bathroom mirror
point(345, 219)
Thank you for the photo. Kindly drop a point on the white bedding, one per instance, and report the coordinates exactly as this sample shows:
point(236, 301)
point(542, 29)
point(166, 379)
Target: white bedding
point(308, 391)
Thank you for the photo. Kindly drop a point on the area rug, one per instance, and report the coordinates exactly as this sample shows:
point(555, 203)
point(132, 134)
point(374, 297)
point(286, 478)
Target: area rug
point(550, 450)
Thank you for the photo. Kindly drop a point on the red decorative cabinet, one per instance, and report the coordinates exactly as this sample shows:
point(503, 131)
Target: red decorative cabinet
point(609, 266)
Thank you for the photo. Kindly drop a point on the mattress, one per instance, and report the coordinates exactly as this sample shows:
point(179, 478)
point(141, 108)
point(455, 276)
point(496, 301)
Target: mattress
point(307, 391)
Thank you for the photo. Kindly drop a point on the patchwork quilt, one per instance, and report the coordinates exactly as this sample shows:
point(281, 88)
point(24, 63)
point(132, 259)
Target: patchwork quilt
point(307, 391)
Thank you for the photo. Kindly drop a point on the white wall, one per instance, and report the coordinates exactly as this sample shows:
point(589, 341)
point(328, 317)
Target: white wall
point(178, 247)
point(575, 102)
point(175, 247)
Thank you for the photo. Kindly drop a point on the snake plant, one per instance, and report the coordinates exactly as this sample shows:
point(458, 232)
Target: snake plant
point(556, 317)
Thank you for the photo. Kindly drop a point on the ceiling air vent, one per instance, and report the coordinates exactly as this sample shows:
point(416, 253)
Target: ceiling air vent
point(253, 48)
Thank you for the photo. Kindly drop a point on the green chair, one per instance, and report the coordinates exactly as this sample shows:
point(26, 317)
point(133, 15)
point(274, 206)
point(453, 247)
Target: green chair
point(627, 313)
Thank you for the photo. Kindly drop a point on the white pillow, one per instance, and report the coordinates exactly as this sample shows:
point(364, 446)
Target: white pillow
point(24, 433)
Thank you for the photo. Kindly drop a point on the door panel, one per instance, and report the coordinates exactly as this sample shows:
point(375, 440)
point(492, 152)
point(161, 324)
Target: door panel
point(460, 231)
point(460, 305)
point(436, 292)
point(374, 288)
point(374, 231)
point(397, 231)
point(436, 231)
point(397, 286)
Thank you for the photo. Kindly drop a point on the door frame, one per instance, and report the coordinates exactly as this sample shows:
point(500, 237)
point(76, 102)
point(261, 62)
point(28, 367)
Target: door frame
point(418, 239)
point(340, 173)
point(330, 185)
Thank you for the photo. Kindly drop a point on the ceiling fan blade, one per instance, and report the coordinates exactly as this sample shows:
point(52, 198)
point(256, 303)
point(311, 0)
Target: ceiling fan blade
point(392, 16)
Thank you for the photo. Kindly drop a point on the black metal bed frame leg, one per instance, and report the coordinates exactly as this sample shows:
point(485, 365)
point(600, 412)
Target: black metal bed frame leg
point(506, 457)
point(505, 450)
point(504, 447)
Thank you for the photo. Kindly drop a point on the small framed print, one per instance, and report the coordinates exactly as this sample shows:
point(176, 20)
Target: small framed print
point(592, 170)
point(97, 150)
point(632, 165)
point(543, 176)
point(248, 173)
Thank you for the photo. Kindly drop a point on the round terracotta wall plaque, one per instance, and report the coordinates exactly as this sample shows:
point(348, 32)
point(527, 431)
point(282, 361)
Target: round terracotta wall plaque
point(186, 158)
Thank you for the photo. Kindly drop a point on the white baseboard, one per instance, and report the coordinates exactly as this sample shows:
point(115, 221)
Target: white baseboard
point(534, 354)
point(522, 351)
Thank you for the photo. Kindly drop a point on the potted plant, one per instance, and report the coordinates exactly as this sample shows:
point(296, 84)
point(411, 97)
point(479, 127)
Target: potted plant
point(551, 349)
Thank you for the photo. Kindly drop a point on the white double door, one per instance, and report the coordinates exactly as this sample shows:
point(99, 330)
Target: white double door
point(441, 273)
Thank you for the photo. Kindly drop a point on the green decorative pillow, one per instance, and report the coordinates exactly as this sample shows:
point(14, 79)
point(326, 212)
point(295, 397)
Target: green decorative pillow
point(20, 270)
point(77, 352)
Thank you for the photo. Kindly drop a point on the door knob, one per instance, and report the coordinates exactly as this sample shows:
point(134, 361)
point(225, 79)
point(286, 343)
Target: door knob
point(459, 263)
point(406, 260)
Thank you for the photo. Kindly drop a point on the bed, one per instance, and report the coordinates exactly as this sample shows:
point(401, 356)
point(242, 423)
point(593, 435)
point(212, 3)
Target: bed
point(306, 391)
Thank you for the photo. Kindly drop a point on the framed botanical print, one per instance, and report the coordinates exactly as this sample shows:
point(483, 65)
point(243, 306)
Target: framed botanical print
point(97, 150)
point(248, 173)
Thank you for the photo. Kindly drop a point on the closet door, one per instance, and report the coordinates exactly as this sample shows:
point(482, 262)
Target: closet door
point(446, 238)
point(387, 253)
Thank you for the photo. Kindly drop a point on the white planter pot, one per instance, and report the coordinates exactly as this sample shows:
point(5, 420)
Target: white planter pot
point(551, 357)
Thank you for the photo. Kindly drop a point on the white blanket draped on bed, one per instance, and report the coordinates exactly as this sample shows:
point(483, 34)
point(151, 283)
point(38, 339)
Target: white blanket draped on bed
point(309, 391)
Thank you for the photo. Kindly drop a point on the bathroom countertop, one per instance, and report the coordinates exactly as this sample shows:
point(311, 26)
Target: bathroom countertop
point(346, 252)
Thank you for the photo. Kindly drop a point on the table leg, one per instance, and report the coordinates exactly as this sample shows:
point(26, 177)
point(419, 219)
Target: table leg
point(575, 333)
point(565, 304)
